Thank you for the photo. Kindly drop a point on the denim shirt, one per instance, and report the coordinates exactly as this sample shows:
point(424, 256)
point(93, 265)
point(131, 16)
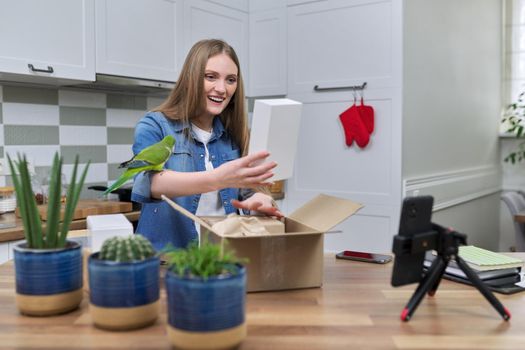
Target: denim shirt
point(160, 223)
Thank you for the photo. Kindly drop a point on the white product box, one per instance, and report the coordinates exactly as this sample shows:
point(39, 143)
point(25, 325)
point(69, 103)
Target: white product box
point(275, 128)
point(102, 227)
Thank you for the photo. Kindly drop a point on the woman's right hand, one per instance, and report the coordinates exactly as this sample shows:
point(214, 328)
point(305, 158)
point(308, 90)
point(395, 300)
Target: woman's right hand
point(246, 172)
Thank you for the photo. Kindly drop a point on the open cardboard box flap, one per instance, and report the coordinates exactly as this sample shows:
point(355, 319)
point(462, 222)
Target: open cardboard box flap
point(324, 212)
point(321, 214)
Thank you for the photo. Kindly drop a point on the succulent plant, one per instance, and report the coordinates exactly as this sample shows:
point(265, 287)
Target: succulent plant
point(124, 249)
point(202, 260)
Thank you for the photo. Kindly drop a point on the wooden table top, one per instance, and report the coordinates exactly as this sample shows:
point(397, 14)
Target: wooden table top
point(520, 217)
point(355, 309)
point(17, 232)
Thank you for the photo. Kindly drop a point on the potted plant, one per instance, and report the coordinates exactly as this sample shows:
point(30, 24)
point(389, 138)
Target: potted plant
point(124, 284)
point(48, 267)
point(206, 290)
point(513, 123)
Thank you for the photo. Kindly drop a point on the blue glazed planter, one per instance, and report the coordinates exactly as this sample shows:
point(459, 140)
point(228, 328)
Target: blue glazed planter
point(123, 295)
point(48, 281)
point(206, 314)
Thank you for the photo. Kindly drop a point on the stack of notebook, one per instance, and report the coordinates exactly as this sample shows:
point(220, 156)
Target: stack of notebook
point(499, 272)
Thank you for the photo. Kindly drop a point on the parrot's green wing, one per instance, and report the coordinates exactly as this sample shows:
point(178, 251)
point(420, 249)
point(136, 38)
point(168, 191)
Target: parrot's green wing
point(156, 154)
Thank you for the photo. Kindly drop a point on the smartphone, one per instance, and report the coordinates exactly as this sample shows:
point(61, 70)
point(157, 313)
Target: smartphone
point(365, 257)
point(416, 215)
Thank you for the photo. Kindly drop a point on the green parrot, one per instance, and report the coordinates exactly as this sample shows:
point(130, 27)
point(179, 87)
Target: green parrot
point(150, 158)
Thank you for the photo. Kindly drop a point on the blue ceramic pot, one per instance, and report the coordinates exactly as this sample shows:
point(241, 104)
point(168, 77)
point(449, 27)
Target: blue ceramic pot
point(123, 295)
point(48, 281)
point(206, 314)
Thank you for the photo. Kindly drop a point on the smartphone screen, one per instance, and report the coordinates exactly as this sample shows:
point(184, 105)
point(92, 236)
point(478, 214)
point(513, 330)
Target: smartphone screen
point(416, 215)
point(364, 256)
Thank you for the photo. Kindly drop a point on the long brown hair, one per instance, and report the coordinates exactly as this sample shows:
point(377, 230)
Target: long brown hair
point(185, 100)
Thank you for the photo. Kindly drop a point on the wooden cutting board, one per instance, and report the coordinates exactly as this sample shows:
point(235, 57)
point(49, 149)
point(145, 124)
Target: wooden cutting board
point(89, 207)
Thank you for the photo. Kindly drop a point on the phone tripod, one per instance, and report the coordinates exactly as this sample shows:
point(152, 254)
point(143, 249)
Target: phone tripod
point(448, 242)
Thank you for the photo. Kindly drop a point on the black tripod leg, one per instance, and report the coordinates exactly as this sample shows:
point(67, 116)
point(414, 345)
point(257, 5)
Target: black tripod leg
point(434, 288)
point(429, 281)
point(483, 289)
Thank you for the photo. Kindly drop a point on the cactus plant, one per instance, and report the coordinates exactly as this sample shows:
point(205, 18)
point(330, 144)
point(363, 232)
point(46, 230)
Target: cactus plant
point(124, 249)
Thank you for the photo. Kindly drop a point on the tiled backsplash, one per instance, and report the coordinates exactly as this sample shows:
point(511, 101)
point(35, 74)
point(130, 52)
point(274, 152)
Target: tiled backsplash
point(96, 126)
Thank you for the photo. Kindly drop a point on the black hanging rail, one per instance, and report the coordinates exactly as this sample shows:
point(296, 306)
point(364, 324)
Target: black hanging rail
point(354, 88)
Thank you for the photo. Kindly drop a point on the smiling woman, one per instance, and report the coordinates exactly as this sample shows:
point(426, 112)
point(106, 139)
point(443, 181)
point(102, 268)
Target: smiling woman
point(209, 171)
point(220, 83)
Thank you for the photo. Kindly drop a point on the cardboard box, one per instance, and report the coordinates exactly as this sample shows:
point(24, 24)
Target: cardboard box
point(275, 128)
point(289, 260)
point(102, 227)
point(259, 223)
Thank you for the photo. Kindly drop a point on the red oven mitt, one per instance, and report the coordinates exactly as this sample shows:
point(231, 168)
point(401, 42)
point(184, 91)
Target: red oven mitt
point(354, 127)
point(367, 116)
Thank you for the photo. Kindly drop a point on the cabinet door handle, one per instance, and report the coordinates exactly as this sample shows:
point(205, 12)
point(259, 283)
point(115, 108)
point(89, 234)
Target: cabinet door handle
point(48, 70)
point(354, 87)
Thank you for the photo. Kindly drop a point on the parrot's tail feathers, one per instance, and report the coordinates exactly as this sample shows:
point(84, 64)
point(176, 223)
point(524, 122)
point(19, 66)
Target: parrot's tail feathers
point(120, 181)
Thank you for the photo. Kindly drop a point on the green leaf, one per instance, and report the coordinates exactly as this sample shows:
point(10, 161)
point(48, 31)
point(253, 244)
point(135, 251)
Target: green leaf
point(22, 205)
point(35, 224)
point(71, 203)
point(69, 209)
point(54, 202)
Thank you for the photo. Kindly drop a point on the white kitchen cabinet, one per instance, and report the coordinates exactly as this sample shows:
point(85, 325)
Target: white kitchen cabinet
point(206, 20)
point(47, 39)
point(139, 38)
point(263, 5)
point(300, 2)
point(333, 44)
point(241, 5)
point(267, 47)
point(4, 252)
point(338, 44)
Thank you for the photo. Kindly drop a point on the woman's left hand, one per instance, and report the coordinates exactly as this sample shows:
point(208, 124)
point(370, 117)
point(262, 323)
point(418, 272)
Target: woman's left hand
point(260, 202)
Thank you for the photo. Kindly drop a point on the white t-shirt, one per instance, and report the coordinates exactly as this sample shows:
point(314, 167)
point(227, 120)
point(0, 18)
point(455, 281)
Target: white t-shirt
point(210, 202)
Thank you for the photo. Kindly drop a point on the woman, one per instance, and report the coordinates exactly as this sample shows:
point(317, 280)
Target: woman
point(209, 172)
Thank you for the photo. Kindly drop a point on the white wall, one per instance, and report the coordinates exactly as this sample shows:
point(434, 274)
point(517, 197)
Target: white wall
point(513, 85)
point(451, 106)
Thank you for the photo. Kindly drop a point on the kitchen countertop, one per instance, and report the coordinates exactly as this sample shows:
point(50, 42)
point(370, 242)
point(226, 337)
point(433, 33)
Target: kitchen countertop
point(17, 232)
point(356, 308)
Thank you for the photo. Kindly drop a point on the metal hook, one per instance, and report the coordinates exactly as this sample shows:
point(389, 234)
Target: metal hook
point(362, 93)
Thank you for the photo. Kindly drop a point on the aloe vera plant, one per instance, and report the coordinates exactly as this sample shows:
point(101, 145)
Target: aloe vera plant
point(55, 234)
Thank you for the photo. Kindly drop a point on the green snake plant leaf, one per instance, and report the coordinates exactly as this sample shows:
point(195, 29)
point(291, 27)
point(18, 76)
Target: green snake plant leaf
point(72, 199)
point(54, 203)
point(21, 202)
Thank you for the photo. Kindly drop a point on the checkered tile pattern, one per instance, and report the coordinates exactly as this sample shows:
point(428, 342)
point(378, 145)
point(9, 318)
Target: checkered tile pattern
point(96, 126)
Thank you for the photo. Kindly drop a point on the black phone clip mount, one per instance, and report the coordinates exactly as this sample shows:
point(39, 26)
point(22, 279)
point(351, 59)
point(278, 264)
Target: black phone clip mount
point(446, 242)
